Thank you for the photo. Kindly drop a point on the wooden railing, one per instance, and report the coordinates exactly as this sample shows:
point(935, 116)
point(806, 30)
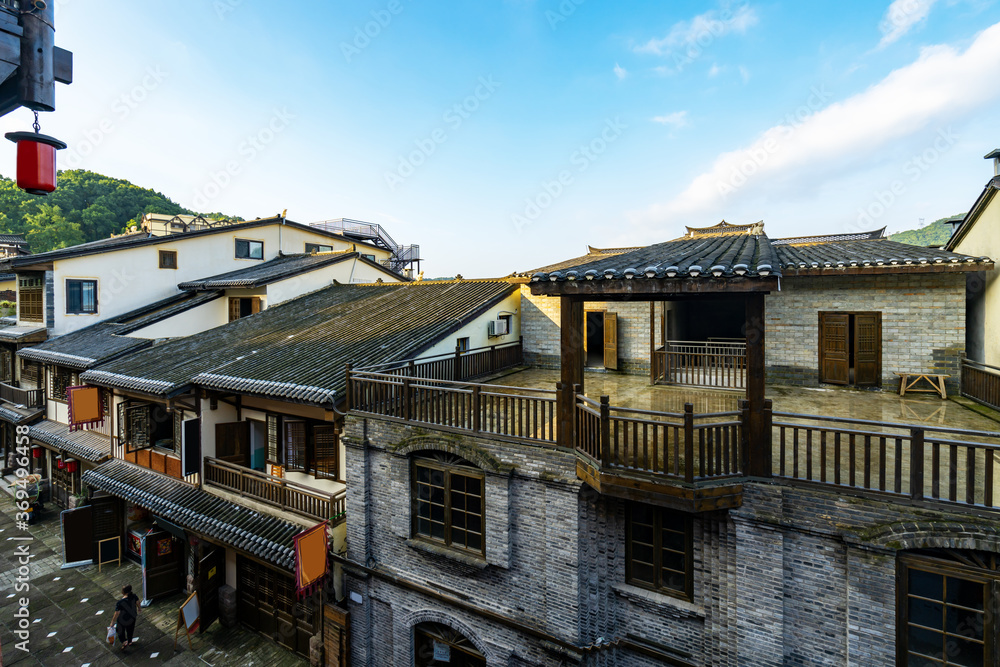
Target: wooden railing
point(921, 463)
point(685, 446)
point(520, 413)
point(457, 366)
point(276, 491)
point(721, 365)
point(32, 398)
point(981, 383)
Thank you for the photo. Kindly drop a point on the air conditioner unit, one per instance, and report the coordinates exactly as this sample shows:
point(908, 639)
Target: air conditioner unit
point(497, 328)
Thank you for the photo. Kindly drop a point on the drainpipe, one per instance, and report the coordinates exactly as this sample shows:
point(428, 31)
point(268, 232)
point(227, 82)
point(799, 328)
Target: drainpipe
point(350, 280)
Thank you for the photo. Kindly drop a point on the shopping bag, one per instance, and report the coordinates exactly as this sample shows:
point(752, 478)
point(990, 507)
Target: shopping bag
point(111, 634)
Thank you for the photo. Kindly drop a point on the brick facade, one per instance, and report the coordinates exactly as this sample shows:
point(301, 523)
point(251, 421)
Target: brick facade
point(923, 325)
point(798, 575)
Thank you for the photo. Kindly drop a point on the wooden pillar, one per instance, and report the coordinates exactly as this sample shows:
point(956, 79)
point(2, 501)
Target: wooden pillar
point(571, 364)
point(760, 434)
point(652, 342)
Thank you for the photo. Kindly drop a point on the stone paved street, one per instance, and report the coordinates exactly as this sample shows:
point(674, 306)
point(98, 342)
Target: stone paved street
point(70, 610)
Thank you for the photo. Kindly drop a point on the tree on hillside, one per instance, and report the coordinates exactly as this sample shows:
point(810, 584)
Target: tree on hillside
point(49, 228)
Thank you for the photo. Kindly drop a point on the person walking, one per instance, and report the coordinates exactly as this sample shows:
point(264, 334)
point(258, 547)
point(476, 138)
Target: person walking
point(126, 614)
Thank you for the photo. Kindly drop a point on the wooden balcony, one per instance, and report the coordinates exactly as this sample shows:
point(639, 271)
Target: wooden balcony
point(717, 365)
point(981, 383)
point(275, 491)
point(31, 398)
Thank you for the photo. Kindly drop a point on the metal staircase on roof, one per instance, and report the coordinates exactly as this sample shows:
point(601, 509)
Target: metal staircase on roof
point(403, 256)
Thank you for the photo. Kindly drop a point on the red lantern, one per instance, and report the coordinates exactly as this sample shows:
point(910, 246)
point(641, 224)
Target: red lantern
point(36, 161)
point(36, 452)
point(60, 463)
point(71, 465)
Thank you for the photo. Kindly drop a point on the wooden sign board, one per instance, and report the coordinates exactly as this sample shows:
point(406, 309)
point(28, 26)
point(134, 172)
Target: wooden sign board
point(188, 617)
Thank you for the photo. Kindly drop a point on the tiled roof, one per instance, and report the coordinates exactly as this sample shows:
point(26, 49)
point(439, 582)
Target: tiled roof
point(15, 415)
point(261, 535)
point(276, 269)
point(81, 444)
point(298, 349)
point(717, 256)
point(829, 238)
point(16, 333)
point(100, 342)
point(881, 253)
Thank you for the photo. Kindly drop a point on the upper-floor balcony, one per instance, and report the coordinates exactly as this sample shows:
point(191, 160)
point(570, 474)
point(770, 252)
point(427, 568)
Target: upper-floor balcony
point(692, 448)
point(29, 398)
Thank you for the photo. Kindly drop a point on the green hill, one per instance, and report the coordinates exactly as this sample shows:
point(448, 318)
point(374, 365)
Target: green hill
point(85, 207)
point(935, 234)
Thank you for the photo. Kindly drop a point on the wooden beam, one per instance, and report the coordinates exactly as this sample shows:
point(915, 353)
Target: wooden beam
point(571, 358)
point(759, 436)
point(642, 289)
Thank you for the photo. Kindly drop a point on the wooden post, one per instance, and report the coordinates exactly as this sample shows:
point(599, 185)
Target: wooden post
point(347, 387)
point(744, 436)
point(605, 431)
point(411, 369)
point(652, 342)
point(477, 416)
point(571, 358)
point(917, 463)
point(406, 398)
point(760, 448)
point(456, 371)
point(688, 443)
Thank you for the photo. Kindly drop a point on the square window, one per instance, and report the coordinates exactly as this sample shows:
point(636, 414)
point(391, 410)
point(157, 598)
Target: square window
point(248, 249)
point(448, 503)
point(81, 297)
point(168, 259)
point(462, 344)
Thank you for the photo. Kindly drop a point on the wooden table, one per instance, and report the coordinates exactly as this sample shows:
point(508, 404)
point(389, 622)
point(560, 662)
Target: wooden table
point(936, 380)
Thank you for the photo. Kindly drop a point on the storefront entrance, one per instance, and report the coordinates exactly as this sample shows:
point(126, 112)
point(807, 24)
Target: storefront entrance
point(267, 604)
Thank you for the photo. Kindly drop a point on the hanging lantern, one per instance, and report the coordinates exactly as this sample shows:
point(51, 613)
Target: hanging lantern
point(60, 463)
point(36, 452)
point(72, 465)
point(36, 160)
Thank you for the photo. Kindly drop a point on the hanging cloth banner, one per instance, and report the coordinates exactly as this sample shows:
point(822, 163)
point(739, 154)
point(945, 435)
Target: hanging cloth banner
point(311, 563)
point(85, 407)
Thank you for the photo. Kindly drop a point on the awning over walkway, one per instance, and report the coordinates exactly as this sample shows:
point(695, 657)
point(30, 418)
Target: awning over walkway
point(81, 444)
point(266, 537)
point(14, 415)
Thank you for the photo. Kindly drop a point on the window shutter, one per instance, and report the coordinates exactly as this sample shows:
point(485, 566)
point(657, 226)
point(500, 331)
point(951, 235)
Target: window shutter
point(326, 440)
point(273, 439)
point(295, 445)
point(255, 305)
point(73, 297)
point(234, 309)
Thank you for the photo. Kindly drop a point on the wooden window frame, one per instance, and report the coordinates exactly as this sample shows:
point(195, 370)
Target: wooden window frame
point(250, 244)
point(31, 298)
point(990, 579)
point(60, 378)
point(462, 344)
point(449, 469)
point(236, 306)
point(659, 515)
point(78, 283)
point(168, 259)
point(130, 411)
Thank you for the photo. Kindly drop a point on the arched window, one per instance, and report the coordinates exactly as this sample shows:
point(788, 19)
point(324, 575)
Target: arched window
point(448, 498)
point(945, 607)
point(436, 644)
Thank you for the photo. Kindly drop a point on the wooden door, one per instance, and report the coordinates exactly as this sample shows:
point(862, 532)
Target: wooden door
point(232, 442)
point(211, 573)
point(78, 536)
point(868, 349)
point(161, 562)
point(834, 348)
point(611, 341)
point(234, 308)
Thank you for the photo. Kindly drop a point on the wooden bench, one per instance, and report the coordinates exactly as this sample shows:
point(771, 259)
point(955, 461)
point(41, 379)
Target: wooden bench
point(936, 381)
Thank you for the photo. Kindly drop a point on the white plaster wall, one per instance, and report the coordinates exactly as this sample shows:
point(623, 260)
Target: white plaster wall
point(130, 278)
point(352, 271)
point(983, 240)
point(476, 331)
point(202, 318)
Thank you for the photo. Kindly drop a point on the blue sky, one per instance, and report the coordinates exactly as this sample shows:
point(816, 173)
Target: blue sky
point(505, 135)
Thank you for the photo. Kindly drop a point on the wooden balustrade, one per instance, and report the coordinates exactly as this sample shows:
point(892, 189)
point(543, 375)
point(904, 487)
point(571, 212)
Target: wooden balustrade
point(32, 398)
point(520, 413)
point(981, 383)
point(458, 366)
point(276, 491)
point(685, 446)
point(711, 364)
point(912, 461)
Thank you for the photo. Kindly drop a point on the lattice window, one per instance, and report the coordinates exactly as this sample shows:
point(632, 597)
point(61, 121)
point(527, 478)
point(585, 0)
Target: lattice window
point(30, 299)
point(326, 443)
point(448, 496)
point(274, 439)
point(658, 552)
point(295, 445)
point(59, 379)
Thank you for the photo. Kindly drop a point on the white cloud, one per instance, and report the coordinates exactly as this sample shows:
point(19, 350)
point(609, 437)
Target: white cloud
point(620, 72)
point(676, 119)
point(900, 17)
point(714, 70)
point(815, 141)
point(703, 29)
point(744, 74)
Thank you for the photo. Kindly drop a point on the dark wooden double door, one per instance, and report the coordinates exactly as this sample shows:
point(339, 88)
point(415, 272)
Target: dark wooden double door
point(268, 604)
point(850, 348)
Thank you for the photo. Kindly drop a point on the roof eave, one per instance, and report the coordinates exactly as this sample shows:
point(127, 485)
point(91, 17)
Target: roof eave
point(902, 269)
point(656, 286)
point(973, 215)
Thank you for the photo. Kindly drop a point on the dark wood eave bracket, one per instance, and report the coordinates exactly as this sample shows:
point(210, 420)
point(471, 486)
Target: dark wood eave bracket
point(638, 288)
point(834, 271)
